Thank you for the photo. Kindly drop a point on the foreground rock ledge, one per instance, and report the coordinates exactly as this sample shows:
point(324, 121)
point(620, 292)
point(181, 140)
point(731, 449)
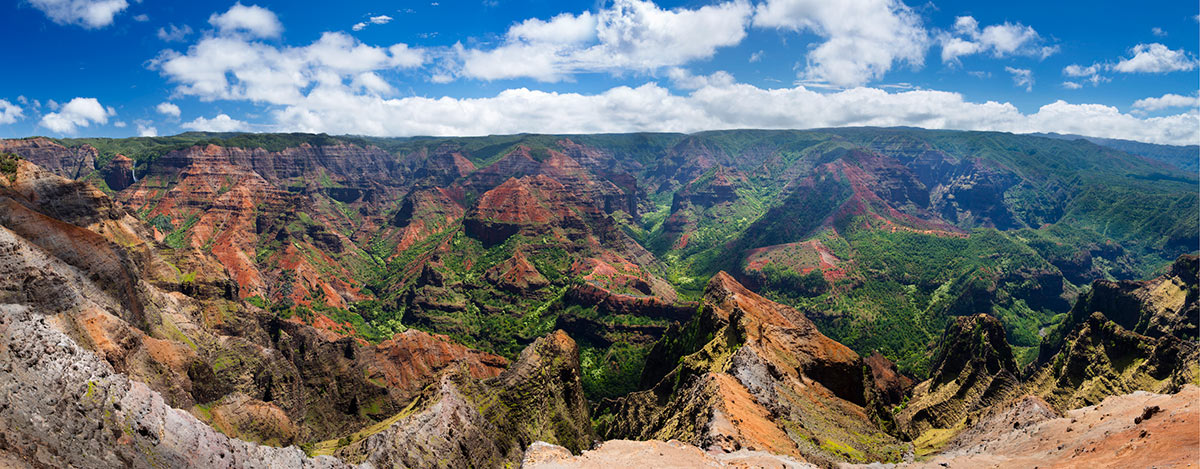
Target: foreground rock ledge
point(657, 454)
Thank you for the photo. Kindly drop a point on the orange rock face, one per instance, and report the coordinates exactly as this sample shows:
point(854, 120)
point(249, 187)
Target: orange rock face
point(222, 199)
point(750, 373)
point(409, 360)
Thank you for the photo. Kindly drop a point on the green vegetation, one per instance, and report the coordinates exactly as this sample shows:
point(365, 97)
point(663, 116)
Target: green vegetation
point(1070, 210)
point(8, 165)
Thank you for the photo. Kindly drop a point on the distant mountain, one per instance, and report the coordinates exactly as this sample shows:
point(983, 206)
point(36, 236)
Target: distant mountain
point(1185, 157)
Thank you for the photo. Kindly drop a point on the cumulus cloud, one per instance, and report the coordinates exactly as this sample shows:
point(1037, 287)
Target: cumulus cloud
point(863, 38)
point(628, 35)
point(9, 112)
point(172, 33)
point(1021, 77)
point(253, 20)
point(233, 67)
point(336, 85)
point(221, 123)
point(718, 104)
point(79, 112)
point(1166, 101)
point(168, 109)
point(381, 19)
point(90, 14)
point(1158, 32)
point(1155, 58)
point(1002, 40)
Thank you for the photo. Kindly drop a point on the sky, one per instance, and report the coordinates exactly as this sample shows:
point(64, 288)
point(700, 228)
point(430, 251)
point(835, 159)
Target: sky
point(120, 68)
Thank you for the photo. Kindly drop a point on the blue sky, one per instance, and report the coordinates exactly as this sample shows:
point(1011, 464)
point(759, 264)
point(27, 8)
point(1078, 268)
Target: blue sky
point(143, 67)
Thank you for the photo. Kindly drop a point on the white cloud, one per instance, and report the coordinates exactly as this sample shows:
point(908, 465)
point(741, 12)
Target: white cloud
point(1021, 77)
point(119, 124)
point(1166, 101)
point(142, 18)
point(628, 35)
point(718, 104)
point(685, 80)
point(221, 123)
point(1090, 74)
point(144, 129)
point(79, 112)
point(9, 112)
point(254, 20)
point(863, 38)
point(221, 67)
point(757, 56)
point(1155, 58)
point(90, 14)
point(172, 33)
point(1075, 70)
point(168, 109)
point(381, 19)
point(336, 85)
point(359, 26)
point(1158, 32)
point(1002, 40)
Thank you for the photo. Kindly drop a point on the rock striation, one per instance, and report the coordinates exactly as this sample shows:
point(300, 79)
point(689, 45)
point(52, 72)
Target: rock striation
point(459, 422)
point(748, 373)
point(70, 163)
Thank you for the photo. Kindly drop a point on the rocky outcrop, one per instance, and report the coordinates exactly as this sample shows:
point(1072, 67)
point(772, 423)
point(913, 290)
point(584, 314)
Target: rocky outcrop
point(62, 406)
point(1163, 306)
point(972, 371)
point(70, 163)
point(1114, 433)
point(516, 275)
point(1121, 337)
point(1087, 358)
point(408, 360)
point(889, 385)
point(1100, 359)
point(748, 373)
point(517, 163)
point(119, 173)
point(459, 422)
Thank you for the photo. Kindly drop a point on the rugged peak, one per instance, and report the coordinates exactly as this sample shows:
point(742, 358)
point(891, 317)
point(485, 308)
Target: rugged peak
point(554, 355)
point(513, 202)
point(461, 422)
point(517, 274)
point(739, 370)
point(727, 296)
point(978, 339)
point(1159, 307)
point(119, 173)
point(972, 371)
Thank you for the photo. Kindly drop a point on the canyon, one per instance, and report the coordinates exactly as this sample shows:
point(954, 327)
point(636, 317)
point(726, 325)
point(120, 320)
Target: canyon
point(749, 298)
